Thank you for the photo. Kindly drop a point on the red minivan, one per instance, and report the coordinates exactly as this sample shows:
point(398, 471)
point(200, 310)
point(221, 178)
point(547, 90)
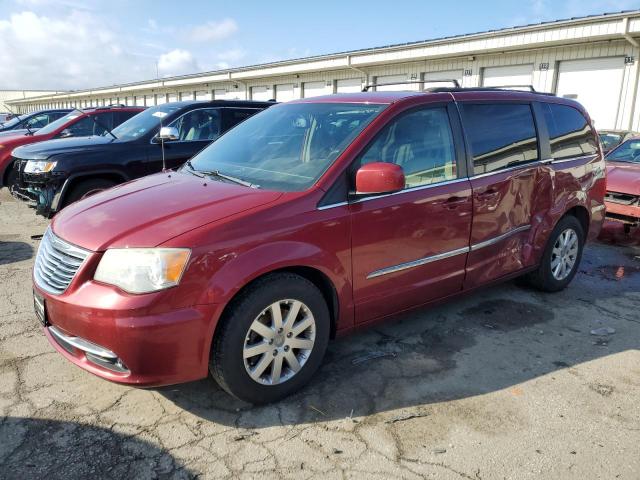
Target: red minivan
point(313, 218)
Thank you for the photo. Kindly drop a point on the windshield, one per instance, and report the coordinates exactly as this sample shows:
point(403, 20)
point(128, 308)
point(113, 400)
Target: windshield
point(140, 124)
point(287, 147)
point(629, 151)
point(610, 140)
point(13, 121)
point(53, 126)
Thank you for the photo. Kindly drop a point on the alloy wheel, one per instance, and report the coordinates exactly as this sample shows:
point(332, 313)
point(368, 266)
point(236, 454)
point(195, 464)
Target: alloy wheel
point(279, 342)
point(564, 254)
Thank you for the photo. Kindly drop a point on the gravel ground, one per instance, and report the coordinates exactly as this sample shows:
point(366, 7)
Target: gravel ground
point(506, 383)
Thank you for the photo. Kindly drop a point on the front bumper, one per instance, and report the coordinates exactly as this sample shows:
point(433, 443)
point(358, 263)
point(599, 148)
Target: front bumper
point(126, 339)
point(629, 214)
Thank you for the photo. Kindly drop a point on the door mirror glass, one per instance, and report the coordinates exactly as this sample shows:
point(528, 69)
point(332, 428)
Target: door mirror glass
point(379, 177)
point(168, 134)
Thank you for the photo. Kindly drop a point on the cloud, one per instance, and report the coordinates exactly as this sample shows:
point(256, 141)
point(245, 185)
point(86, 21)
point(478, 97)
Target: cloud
point(213, 31)
point(177, 62)
point(68, 51)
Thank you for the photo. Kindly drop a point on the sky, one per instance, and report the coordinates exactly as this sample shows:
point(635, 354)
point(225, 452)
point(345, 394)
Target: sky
point(77, 44)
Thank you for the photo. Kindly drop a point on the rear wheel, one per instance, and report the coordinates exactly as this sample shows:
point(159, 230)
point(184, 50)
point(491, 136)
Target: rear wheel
point(561, 257)
point(272, 340)
point(86, 188)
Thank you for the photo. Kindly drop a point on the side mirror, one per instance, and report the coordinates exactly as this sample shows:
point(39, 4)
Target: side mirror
point(66, 133)
point(379, 177)
point(168, 134)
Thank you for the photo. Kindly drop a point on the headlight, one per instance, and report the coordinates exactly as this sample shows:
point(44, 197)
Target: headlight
point(142, 270)
point(39, 166)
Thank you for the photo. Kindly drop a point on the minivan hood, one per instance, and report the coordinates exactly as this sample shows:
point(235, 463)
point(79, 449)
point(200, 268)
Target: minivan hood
point(44, 150)
point(149, 211)
point(623, 177)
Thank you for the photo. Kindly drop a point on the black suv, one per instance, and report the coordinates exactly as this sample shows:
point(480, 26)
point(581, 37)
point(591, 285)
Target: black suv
point(33, 121)
point(78, 167)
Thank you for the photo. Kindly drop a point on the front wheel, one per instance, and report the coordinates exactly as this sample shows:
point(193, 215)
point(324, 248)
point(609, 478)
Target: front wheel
point(272, 339)
point(561, 257)
point(86, 188)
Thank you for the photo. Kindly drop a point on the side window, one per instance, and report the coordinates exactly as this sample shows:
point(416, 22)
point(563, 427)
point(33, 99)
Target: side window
point(500, 135)
point(82, 128)
point(38, 121)
point(421, 142)
point(121, 117)
point(202, 124)
point(104, 121)
point(569, 133)
point(237, 116)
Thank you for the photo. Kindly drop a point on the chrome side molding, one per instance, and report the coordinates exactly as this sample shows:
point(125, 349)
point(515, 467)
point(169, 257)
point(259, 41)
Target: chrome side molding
point(449, 254)
point(499, 238)
point(417, 263)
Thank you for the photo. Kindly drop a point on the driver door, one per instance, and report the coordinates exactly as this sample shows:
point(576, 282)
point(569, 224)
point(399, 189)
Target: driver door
point(410, 247)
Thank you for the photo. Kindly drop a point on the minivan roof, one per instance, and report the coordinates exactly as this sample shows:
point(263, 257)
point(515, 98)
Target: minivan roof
point(480, 94)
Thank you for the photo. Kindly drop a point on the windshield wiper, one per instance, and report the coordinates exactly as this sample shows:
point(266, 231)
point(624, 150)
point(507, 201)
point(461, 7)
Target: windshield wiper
point(218, 174)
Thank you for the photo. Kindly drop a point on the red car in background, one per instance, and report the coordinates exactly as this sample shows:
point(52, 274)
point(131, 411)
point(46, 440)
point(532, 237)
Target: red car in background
point(623, 183)
point(77, 123)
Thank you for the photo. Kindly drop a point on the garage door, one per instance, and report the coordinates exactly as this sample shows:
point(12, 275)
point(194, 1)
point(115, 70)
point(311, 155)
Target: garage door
point(432, 79)
point(285, 93)
point(203, 95)
point(583, 80)
point(315, 89)
point(261, 94)
point(173, 97)
point(394, 79)
point(149, 100)
point(161, 98)
point(351, 85)
point(186, 96)
point(509, 75)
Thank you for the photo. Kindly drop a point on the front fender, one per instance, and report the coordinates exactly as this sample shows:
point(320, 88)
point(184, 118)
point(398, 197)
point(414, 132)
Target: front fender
point(238, 270)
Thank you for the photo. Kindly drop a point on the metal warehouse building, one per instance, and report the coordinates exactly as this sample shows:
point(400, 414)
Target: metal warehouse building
point(592, 59)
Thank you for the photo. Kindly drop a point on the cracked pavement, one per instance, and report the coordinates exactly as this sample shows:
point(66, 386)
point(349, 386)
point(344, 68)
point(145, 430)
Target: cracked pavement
point(505, 383)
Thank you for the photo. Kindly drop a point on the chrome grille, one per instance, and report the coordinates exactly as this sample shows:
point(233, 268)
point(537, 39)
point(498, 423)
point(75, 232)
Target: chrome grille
point(57, 263)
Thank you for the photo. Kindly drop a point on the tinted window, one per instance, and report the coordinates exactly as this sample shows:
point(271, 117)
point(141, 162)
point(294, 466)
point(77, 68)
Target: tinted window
point(86, 127)
point(200, 124)
point(629, 151)
point(420, 142)
point(569, 133)
point(500, 135)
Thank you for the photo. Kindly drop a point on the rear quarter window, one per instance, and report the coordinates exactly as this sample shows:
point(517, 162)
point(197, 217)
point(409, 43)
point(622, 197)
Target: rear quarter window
point(500, 135)
point(570, 134)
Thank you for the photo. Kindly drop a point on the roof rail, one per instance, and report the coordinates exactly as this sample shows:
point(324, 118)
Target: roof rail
point(452, 80)
point(516, 88)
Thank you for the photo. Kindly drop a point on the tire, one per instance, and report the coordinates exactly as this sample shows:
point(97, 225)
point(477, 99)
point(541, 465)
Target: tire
point(227, 363)
point(545, 277)
point(87, 188)
point(12, 178)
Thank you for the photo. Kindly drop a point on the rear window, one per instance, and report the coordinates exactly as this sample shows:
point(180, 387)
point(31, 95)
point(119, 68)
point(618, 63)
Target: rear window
point(569, 132)
point(500, 135)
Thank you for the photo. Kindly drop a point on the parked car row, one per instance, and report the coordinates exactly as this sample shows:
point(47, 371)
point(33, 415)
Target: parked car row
point(305, 221)
point(52, 174)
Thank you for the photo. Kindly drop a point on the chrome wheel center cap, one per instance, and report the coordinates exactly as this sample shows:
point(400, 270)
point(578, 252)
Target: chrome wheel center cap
point(278, 340)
